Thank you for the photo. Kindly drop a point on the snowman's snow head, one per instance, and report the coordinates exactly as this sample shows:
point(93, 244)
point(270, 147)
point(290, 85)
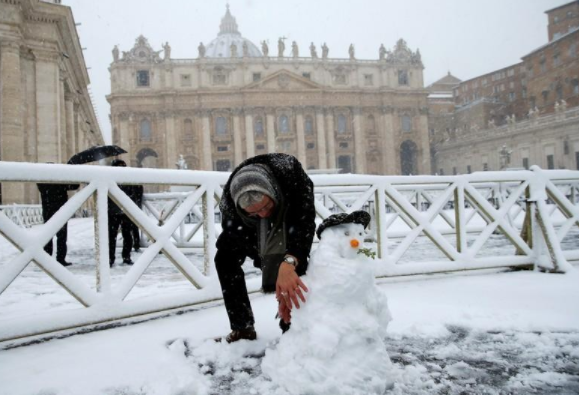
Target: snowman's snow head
point(345, 239)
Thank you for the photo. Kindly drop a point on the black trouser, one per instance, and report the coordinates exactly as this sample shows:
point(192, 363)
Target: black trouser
point(235, 297)
point(232, 279)
point(136, 235)
point(61, 237)
point(61, 250)
point(125, 223)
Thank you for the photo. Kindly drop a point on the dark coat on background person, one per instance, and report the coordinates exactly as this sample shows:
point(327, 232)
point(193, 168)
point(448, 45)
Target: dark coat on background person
point(238, 240)
point(53, 197)
point(117, 218)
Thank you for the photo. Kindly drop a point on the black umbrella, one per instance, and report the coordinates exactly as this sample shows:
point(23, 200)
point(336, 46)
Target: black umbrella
point(95, 153)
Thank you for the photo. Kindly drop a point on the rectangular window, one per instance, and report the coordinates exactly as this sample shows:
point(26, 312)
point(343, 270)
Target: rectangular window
point(468, 169)
point(256, 77)
point(485, 167)
point(185, 79)
point(512, 96)
point(343, 145)
point(556, 60)
point(454, 171)
point(143, 78)
point(511, 72)
point(575, 87)
point(484, 82)
point(441, 171)
point(311, 146)
point(511, 84)
point(550, 162)
point(340, 79)
point(577, 160)
point(524, 93)
point(543, 66)
point(566, 147)
point(572, 50)
point(222, 148)
point(403, 77)
point(526, 163)
point(368, 79)
point(223, 165)
point(260, 147)
point(307, 76)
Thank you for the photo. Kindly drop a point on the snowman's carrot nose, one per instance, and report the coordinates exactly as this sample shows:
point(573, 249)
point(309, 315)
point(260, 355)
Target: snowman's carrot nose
point(354, 243)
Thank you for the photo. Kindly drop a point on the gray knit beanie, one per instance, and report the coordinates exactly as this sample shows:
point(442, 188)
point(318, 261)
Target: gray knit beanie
point(253, 178)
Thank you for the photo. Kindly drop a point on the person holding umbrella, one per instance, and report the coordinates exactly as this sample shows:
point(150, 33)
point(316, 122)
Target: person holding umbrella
point(117, 218)
point(53, 197)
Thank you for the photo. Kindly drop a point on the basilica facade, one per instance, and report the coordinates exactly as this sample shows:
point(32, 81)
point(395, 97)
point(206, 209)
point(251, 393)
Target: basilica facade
point(235, 100)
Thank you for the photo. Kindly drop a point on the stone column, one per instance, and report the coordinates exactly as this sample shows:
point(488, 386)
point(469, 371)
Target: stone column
point(48, 106)
point(424, 163)
point(249, 141)
point(11, 133)
point(331, 137)
point(301, 137)
point(359, 143)
point(206, 141)
point(62, 145)
point(70, 127)
point(388, 141)
point(124, 136)
point(237, 150)
point(270, 131)
point(171, 153)
point(320, 132)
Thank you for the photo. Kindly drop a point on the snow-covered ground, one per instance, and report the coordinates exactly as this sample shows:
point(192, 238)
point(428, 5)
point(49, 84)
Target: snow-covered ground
point(492, 332)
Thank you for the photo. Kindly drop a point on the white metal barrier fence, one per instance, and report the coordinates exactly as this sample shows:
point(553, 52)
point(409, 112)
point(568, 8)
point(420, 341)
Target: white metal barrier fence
point(535, 211)
point(25, 215)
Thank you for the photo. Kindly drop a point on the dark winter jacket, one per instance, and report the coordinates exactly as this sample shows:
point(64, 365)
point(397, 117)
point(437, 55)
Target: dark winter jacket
point(53, 197)
point(238, 239)
point(135, 192)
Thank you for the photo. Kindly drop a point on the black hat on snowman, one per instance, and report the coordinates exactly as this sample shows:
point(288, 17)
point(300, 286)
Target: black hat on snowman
point(356, 217)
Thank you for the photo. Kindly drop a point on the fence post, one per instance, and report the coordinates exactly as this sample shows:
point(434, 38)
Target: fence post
point(548, 237)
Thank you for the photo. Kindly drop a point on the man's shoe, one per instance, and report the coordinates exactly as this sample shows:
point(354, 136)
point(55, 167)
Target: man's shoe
point(65, 263)
point(243, 334)
point(111, 263)
point(127, 261)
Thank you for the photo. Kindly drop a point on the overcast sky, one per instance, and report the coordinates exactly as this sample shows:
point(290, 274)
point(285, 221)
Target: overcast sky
point(467, 38)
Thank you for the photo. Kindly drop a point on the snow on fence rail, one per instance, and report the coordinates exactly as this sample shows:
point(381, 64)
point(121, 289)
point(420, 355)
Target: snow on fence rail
point(535, 210)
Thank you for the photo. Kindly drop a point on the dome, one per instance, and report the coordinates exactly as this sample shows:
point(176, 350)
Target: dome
point(228, 35)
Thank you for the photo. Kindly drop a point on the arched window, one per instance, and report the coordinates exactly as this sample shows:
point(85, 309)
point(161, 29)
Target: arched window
point(220, 126)
point(342, 127)
point(370, 124)
point(406, 123)
point(309, 125)
point(188, 129)
point(258, 126)
point(145, 130)
point(284, 124)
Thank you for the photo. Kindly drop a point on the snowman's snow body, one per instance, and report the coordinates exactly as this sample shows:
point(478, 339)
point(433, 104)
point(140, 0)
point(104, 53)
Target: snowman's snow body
point(336, 341)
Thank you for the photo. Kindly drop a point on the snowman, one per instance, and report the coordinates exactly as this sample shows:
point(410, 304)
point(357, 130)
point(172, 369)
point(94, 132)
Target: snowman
point(336, 341)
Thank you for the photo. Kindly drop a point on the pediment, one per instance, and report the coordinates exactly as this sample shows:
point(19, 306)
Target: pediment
point(283, 80)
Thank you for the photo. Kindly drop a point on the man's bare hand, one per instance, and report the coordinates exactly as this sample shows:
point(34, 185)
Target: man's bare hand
point(289, 287)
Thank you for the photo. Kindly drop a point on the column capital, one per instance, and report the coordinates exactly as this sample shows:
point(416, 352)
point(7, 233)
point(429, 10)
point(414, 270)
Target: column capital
point(237, 111)
point(204, 112)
